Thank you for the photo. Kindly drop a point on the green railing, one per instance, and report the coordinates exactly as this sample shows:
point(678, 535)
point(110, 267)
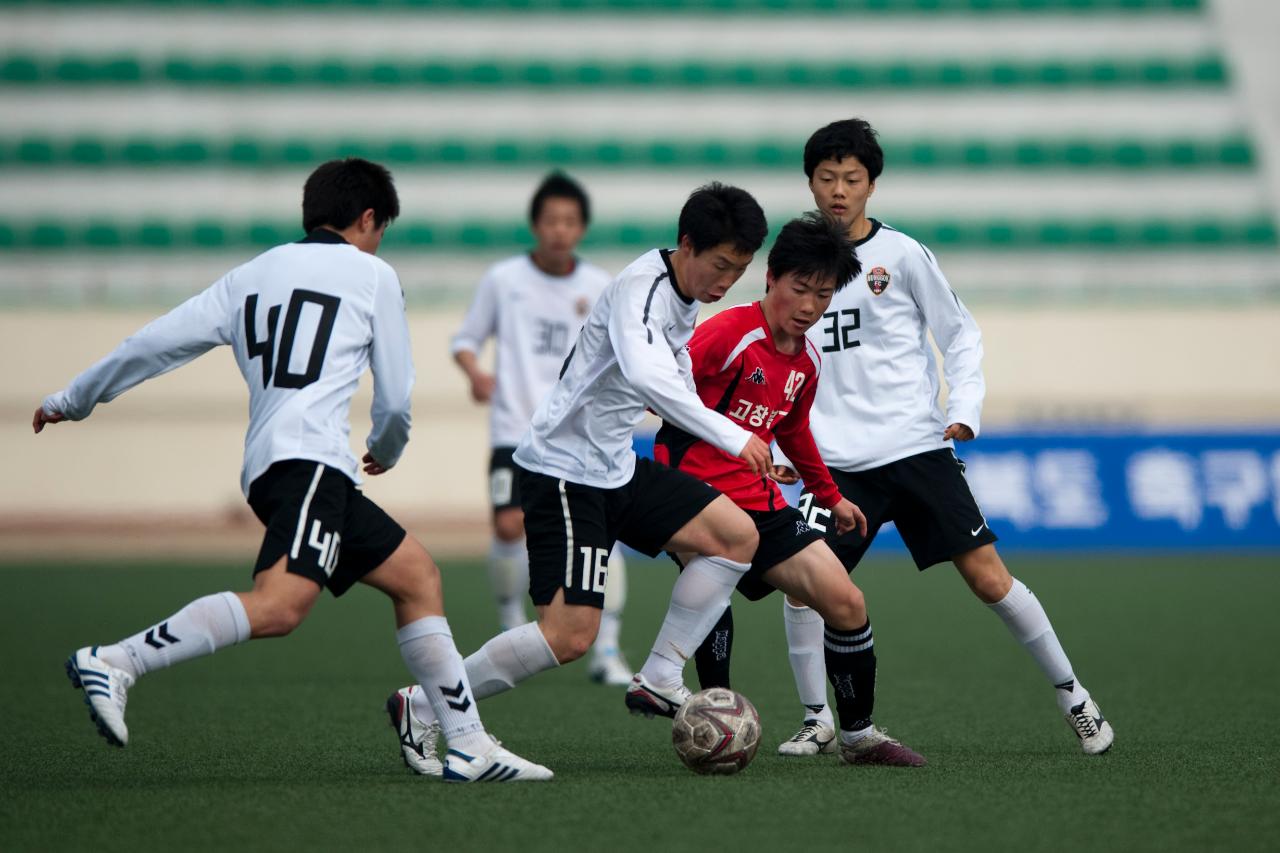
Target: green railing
point(838, 7)
point(67, 70)
point(489, 236)
point(1057, 153)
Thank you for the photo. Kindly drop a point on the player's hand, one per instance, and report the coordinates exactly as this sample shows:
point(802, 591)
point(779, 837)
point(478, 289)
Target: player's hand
point(372, 466)
point(757, 454)
point(784, 474)
point(41, 418)
point(482, 386)
point(959, 432)
point(849, 517)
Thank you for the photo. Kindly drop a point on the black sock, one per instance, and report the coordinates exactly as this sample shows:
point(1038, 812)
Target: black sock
point(851, 669)
point(712, 657)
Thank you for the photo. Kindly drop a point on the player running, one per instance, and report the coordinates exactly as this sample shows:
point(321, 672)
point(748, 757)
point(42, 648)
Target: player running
point(889, 448)
point(754, 364)
point(533, 305)
point(304, 320)
point(583, 488)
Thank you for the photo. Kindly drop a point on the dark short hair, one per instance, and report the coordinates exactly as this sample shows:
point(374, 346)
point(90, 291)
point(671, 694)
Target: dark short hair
point(559, 185)
point(851, 137)
point(811, 245)
point(338, 192)
point(717, 213)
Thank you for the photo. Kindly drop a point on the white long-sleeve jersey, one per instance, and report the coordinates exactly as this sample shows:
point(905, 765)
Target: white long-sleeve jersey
point(305, 320)
point(878, 399)
point(629, 356)
point(534, 319)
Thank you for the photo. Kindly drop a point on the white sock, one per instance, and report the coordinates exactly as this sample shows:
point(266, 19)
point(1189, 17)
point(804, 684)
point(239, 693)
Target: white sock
point(607, 638)
point(509, 580)
point(855, 736)
point(427, 648)
point(1021, 612)
point(201, 628)
point(615, 596)
point(508, 659)
point(804, 629)
point(699, 597)
point(502, 663)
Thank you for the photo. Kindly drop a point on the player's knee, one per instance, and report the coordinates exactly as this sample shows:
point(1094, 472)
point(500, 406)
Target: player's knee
point(846, 610)
point(278, 618)
point(570, 645)
point(985, 573)
point(739, 540)
point(991, 587)
point(508, 525)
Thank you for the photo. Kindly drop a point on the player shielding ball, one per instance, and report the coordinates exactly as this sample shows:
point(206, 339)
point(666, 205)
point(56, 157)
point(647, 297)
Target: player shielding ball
point(533, 305)
point(754, 364)
point(583, 488)
point(304, 321)
point(881, 432)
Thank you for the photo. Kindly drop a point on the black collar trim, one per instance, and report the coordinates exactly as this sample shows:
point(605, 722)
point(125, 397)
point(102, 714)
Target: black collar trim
point(875, 227)
point(671, 277)
point(324, 235)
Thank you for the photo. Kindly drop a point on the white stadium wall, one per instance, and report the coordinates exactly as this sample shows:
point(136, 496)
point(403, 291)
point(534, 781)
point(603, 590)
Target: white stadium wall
point(171, 448)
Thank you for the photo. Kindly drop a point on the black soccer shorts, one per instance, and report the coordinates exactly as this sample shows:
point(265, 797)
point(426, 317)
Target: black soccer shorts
point(330, 532)
point(571, 528)
point(926, 496)
point(504, 479)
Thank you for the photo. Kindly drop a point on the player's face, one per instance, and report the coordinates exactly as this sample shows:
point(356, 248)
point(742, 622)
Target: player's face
point(707, 276)
point(559, 227)
point(795, 302)
point(841, 189)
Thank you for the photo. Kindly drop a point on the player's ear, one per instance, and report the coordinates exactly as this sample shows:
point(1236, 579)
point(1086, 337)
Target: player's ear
point(768, 280)
point(368, 221)
point(871, 189)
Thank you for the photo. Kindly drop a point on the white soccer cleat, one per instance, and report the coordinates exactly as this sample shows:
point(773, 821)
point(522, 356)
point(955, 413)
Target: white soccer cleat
point(106, 692)
point(417, 740)
point(610, 669)
point(815, 737)
point(644, 698)
point(496, 765)
point(1095, 733)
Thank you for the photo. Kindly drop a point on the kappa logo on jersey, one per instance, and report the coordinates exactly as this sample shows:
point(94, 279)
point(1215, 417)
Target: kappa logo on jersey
point(757, 376)
point(802, 528)
point(878, 280)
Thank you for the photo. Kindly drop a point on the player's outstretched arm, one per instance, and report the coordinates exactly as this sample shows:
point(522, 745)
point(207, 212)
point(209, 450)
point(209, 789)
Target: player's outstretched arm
point(166, 343)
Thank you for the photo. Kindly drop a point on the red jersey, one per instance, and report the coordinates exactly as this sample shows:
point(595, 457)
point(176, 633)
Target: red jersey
point(739, 372)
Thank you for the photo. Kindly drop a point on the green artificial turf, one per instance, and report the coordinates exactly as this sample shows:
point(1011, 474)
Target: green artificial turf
point(284, 744)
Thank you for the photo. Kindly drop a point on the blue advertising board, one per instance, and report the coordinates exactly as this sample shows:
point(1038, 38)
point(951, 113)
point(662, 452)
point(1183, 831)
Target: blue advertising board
point(1102, 490)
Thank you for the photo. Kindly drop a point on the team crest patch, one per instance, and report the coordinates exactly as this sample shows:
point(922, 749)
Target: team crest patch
point(757, 376)
point(878, 280)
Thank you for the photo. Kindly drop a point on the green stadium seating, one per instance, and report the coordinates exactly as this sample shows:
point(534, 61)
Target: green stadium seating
point(491, 236)
point(40, 70)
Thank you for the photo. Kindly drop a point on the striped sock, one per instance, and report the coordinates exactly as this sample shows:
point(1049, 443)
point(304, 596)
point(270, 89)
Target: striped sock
point(851, 668)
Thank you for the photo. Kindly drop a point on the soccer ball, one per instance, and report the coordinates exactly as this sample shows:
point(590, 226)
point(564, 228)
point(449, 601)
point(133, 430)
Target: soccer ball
point(716, 731)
